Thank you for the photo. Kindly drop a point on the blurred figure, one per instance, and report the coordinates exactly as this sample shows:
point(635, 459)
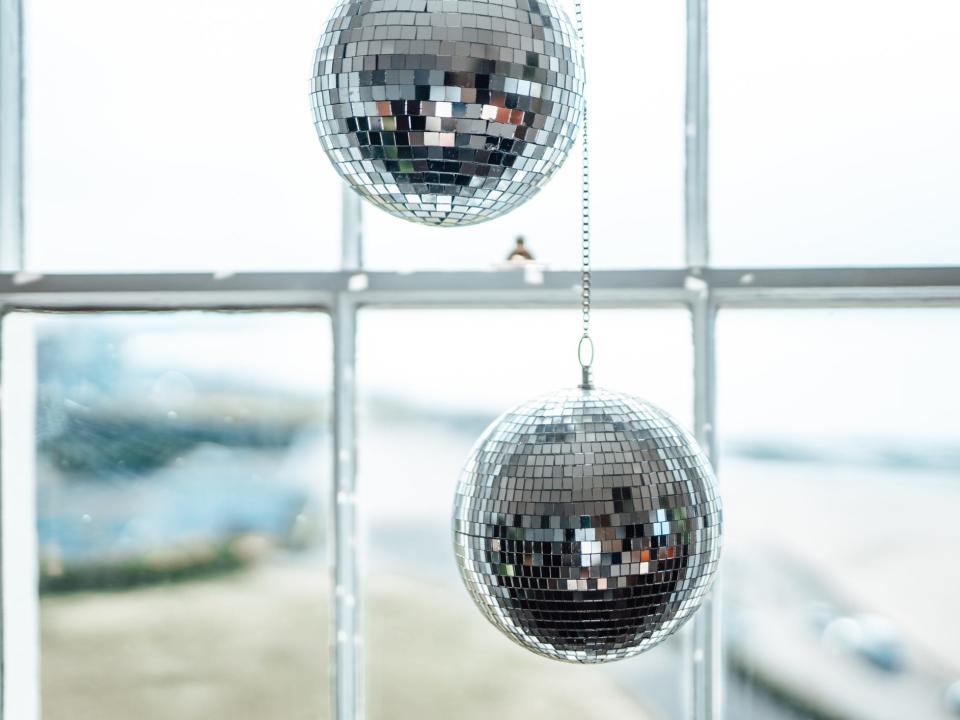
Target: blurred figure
point(520, 254)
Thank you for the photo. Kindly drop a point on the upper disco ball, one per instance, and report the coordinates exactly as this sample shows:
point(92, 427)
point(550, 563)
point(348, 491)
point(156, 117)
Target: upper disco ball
point(587, 525)
point(448, 112)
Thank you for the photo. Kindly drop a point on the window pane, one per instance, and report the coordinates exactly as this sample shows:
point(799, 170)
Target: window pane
point(833, 131)
point(175, 136)
point(636, 81)
point(430, 653)
point(182, 461)
point(839, 468)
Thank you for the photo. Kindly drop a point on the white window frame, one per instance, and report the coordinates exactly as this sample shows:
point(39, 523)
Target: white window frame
point(699, 288)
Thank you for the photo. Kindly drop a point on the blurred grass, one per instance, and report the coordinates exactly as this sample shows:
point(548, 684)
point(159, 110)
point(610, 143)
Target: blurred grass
point(253, 645)
point(170, 567)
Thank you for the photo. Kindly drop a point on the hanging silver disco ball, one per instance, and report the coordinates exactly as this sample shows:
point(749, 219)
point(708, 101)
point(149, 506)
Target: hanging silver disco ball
point(447, 112)
point(587, 525)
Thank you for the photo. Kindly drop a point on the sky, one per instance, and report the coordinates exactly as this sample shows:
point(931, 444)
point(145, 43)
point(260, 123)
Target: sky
point(179, 136)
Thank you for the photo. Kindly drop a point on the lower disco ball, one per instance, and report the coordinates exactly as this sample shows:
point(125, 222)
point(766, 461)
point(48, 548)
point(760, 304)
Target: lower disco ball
point(587, 525)
point(448, 112)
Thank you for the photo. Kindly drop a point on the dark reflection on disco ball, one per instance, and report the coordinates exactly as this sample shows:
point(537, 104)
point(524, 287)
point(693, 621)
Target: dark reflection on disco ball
point(587, 525)
point(447, 112)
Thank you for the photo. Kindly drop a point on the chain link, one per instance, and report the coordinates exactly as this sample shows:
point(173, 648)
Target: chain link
point(585, 276)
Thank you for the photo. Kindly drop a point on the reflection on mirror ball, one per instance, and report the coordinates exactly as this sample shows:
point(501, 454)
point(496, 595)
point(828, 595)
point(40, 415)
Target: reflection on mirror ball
point(587, 525)
point(447, 112)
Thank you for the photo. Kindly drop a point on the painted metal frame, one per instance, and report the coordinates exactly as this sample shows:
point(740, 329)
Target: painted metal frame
point(732, 287)
point(699, 288)
point(347, 683)
point(11, 135)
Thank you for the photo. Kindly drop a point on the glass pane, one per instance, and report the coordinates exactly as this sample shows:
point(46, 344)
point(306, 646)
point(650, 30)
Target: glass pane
point(182, 461)
point(430, 653)
point(636, 81)
point(833, 131)
point(839, 467)
point(175, 136)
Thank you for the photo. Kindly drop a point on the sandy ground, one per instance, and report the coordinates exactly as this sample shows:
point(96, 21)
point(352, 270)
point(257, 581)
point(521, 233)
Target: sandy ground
point(254, 645)
point(242, 647)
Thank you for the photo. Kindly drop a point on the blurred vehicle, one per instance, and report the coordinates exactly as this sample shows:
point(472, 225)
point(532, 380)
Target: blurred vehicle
point(872, 637)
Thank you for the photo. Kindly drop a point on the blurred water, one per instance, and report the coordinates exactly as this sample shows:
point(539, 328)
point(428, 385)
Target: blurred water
point(207, 496)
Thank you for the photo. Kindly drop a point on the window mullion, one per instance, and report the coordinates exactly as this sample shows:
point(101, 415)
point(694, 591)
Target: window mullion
point(705, 658)
point(707, 648)
point(351, 230)
point(11, 135)
point(347, 639)
point(18, 533)
point(696, 182)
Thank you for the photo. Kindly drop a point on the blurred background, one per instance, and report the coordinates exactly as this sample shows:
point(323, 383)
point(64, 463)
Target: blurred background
point(183, 459)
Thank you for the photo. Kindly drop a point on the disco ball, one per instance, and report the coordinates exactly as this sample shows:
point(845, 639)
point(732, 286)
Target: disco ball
point(447, 112)
point(587, 525)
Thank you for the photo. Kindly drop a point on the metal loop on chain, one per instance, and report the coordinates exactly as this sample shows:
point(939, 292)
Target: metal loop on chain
point(585, 352)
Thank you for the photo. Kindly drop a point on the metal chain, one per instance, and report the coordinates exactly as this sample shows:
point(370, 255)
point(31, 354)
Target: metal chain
point(585, 349)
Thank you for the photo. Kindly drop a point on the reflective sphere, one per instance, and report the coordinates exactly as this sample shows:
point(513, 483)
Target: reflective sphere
point(587, 525)
point(447, 112)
